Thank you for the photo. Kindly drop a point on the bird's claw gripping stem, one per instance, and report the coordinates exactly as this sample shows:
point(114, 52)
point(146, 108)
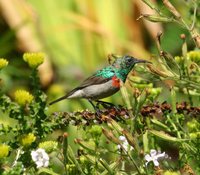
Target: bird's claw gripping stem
point(108, 105)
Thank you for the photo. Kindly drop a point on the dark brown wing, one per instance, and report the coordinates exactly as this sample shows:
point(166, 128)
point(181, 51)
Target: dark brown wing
point(93, 80)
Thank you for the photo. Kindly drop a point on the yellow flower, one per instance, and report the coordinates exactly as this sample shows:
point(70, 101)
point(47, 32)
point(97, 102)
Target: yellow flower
point(178, 59)
point(193, 125)
point(28, 139)
point(83, 159)
point(23, 97)
point(154, 92)
point(3, 63)
point(4, 150)
point(195, 135)
point(34, 59)
point(71, 168)
point(48, 146)
point(194, 56)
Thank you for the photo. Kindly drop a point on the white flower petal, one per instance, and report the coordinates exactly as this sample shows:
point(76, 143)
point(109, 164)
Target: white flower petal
point(155, 162)
point(148, 158)
point(39, 164)
point(45, 156)
point(40, 157)
point(119, 146)
point(46, 164)
point(160, 155)
point(153, 152)
point(154, 156)
point(122, 138)
point(34, 155)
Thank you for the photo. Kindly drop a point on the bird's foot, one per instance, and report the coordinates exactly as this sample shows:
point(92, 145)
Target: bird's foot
point(108, 105)
point(118, 108)
point(98, 113)
point(104, 104)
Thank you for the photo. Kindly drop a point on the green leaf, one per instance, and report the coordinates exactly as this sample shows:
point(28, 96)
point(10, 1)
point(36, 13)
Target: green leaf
point(88, 145)
point(107, 167)
point(160, 124)
point(74, 160)
point(94, 161)
point(46, 170)
point(165, 136)
point(146, 142)
point(112, 166)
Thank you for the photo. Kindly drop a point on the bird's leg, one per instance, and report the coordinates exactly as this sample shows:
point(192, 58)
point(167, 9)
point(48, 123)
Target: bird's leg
point(107, 105)
point(104, 104)
point(96, 108)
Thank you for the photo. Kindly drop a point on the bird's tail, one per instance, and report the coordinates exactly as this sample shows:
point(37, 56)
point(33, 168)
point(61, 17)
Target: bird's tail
point(59, 99)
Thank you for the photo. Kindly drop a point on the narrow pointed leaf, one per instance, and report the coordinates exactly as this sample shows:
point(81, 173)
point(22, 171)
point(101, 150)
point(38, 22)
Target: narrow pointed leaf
point(166, 136)
point(94, 161)
point(86, 145)
point(146, 142)
point(74, 160)
point(113, 166)
point(158, 123)
point(110, 136)
point(116, 126)
point(131, 140)
point(46, 171)
point(155, 18)
point(107, 167)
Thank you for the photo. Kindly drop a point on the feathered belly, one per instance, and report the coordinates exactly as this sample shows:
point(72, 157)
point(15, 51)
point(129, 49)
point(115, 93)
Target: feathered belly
point(100, 91)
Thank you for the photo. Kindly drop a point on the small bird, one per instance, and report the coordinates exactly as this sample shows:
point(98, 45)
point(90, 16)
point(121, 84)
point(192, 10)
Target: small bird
point(104, 82)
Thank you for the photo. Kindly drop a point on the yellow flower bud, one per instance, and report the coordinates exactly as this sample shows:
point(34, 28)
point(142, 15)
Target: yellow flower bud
point(194, 56)
point(34, 59)
point(83, 159)
point(3, 63)
point(48, 146)
point(142, 86)
point(154, 91)
point(4, 150)
point(28, 139)
point(194, 135)
point(23, 97)
point(71, 168)
point(193, 125)
point(178, 59)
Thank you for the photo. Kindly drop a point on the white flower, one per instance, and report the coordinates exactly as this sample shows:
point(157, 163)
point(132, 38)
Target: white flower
point(124, 144)
point(154, 156)
point(40, 157)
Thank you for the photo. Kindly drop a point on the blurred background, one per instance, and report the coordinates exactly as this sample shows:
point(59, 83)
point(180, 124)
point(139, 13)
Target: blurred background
point(77, 36)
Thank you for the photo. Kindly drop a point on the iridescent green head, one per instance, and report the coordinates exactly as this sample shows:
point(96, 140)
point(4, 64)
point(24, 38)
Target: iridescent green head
point(123, 65)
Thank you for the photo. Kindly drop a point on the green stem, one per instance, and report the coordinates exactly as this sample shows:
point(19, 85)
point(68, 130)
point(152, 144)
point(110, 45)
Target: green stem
point(174, 126)
point(132, 160)
point(65, 148)
point(173, 100)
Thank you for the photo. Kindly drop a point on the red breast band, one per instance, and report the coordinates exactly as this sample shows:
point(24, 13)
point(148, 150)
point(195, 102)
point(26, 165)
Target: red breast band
point(116, 82)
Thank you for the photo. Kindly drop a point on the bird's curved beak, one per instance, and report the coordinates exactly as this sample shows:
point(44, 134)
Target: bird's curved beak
point(141, 61)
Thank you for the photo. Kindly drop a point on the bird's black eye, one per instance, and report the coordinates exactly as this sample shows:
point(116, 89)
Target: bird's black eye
point(129, 60)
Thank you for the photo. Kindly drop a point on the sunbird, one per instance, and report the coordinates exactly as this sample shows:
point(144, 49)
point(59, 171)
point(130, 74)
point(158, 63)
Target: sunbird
point(105, 82)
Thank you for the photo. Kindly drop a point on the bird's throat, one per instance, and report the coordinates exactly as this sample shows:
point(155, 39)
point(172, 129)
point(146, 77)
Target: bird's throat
point(122, 74)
